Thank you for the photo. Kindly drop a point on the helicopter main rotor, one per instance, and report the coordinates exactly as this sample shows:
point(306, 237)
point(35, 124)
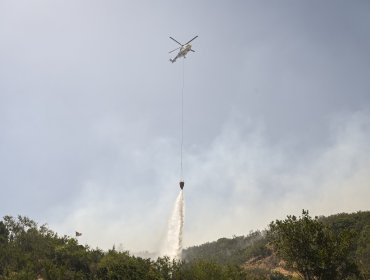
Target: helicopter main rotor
point(182, 44)
point(176, 41)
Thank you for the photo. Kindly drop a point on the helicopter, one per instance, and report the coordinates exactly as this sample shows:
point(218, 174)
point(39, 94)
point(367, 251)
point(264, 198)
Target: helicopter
point(184, 49)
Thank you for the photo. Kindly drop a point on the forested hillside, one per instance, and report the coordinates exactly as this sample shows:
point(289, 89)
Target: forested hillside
point(334, 247)
point(29, 251)
point(236, 250)
point(335, 236)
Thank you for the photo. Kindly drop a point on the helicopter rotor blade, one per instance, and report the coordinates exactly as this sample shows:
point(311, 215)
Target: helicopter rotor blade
point(191, 40)
point(174, 50)
point(176, 41)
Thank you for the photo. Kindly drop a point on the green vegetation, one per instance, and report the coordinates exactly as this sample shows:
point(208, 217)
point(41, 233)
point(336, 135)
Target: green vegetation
point(31, 252)
point(314, 249)
point(230, 251)
point(335, 247)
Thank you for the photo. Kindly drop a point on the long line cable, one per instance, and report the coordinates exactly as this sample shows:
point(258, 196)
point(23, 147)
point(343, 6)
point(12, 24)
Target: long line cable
point(182, 116)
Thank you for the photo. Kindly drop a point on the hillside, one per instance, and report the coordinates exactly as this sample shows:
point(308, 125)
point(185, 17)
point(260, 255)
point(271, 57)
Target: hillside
point(254, 253)
point(236, 250)
point(29, 251)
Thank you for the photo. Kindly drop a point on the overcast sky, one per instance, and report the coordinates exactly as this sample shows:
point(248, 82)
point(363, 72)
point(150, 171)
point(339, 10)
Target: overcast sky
point(276, 115)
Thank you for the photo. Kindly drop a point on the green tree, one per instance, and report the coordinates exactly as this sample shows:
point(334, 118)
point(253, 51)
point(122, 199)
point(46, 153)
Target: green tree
point(312, 248)
point(363, 252)
point(168, 269)
point(121, 266)
point(4, 235)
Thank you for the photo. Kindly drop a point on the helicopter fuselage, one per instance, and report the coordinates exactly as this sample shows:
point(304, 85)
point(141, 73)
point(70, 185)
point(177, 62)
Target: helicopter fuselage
point(183, 52)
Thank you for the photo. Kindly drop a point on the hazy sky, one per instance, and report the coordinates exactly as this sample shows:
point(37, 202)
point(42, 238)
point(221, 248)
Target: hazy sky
point(276, 119)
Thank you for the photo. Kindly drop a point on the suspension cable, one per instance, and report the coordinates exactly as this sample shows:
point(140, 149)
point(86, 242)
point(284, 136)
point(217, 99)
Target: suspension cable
point(182, 116)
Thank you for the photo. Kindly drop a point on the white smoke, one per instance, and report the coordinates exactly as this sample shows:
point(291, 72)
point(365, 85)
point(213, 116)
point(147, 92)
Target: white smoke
point(172, 246)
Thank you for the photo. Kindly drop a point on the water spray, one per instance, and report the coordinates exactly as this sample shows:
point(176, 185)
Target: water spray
point(173, 243)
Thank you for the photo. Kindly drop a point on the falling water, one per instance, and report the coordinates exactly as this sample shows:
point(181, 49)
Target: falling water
point(173, 243)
